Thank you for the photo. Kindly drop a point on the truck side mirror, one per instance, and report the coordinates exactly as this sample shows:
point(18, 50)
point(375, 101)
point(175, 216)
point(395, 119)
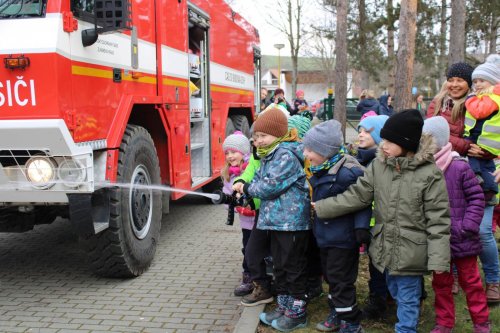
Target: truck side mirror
point(109, 15)
point(89, 36)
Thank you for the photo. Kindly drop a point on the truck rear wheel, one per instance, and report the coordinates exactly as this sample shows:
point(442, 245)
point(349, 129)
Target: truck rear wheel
point(127, 247)
point(241, 124)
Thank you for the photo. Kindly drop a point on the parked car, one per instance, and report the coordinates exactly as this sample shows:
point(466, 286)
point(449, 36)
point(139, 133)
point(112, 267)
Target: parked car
point(352, 114)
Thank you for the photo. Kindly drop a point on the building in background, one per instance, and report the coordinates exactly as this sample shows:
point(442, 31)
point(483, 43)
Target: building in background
point(312, 77)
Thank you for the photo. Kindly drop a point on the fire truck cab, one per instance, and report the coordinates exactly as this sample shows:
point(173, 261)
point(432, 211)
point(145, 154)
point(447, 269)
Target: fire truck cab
point(101, 101)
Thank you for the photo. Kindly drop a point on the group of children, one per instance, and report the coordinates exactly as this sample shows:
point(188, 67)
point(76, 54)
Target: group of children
point(401, 190)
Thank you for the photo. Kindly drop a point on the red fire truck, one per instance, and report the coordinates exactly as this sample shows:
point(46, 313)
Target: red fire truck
point(132, 92)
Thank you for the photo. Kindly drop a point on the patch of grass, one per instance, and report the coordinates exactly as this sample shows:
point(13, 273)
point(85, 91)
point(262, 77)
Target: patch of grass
point(318, 310)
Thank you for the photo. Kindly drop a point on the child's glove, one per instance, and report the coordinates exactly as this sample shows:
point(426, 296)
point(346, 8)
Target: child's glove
point(245, 211)
point(363, 236)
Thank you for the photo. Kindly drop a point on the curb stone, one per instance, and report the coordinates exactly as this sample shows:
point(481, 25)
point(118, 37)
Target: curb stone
point(249, 319)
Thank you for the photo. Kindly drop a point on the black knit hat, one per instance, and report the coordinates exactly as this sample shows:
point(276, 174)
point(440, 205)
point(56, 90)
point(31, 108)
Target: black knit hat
point(404, 128)
point(462, 70)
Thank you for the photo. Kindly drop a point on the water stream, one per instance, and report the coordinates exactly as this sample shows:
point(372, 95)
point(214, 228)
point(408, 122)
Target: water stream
point(13, 186)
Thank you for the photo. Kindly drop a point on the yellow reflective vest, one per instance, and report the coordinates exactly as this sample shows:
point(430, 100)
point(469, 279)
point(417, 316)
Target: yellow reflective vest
point(489, 139)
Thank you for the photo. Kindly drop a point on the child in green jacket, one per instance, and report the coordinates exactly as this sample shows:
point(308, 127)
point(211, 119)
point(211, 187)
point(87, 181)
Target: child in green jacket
point(412, 233)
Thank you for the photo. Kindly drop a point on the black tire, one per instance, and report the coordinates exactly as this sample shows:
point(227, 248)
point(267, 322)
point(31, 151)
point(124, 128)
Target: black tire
point(241, 124)
point(229, 127)
point(128, 246)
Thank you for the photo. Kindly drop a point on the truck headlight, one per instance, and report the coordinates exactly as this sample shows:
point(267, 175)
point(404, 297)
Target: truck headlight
point(40, 171)
point(72, 173)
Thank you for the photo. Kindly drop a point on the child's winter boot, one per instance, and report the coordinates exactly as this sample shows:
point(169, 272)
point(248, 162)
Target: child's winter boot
point(375, 308)
point(346, 327)
point(294, 318)
point(330, 324)
point(246, 286)
point(314, 287)
point(260, 295)
point(268, 317)
point(482, 328)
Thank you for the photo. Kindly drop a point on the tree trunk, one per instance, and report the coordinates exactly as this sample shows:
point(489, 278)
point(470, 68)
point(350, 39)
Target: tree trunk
point(341, 64)
point(457, 32)
point(391, 57)
point(406, 54)
point(365, 77)
point(441, 65)
point(493, 33)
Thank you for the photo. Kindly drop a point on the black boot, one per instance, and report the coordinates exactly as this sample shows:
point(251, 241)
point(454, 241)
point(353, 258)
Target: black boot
point(375, 308)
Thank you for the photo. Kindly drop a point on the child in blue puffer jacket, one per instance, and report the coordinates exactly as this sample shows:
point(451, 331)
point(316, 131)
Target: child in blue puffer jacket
point(338, 238)
point(280, 183)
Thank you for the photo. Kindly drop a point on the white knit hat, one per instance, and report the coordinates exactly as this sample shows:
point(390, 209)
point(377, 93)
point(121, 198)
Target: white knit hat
point(489, 71)
point(237, 142)
point(439, 129)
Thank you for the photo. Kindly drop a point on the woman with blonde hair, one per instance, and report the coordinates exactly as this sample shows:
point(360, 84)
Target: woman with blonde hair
point(450, 103)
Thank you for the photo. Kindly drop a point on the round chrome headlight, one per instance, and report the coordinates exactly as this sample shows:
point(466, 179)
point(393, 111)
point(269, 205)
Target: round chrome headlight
point(41, 171)
point(72, 173)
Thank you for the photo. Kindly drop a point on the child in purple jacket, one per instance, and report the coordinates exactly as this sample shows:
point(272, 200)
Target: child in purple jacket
point(237, 151)
point(466, 209)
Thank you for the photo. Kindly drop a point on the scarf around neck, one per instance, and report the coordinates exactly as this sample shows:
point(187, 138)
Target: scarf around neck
point(445, 156)
point(290, 136)
point(328, 164)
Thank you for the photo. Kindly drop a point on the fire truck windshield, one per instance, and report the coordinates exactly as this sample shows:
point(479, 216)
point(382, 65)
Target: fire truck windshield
point(22, 8)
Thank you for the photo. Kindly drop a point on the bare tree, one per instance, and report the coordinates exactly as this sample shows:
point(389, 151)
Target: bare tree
point(365, 77)
point(457, 32)
point(406, 54)
point(442, 43)
point(391, 56)
point(287, 18)
point(341, 63)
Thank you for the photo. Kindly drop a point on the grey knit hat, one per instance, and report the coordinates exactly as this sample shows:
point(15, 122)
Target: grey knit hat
point(237, 142)
point(324, 138)
point(489, 71)
point(439, 129)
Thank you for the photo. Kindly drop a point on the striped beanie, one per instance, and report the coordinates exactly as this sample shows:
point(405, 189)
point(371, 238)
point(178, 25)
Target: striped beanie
point(301, 123)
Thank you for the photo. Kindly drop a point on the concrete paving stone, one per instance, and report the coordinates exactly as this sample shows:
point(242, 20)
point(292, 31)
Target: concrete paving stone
point(216, 316)
point(98, 310)
point(57, 320)
point(33, 324)
point(119, 329)
point(108, 322)
point(15, 330)
point(65, 326)
point(47, 313)
point(80, 315)
point(107, 316)
point(177, 327)
point(91, 327)
point(68, 310)
point(144, 324)
point(89, 304)
point(83, 321)
point(153, 330)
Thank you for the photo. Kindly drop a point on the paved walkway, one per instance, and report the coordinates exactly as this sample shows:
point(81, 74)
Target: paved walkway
point(45, 285)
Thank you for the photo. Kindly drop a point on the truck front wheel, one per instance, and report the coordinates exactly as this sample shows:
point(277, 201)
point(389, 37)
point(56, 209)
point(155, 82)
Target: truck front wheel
point(127, 247)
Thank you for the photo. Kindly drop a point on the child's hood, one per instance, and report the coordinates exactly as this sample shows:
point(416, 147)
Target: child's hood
point(425, 154)
point(295, 148)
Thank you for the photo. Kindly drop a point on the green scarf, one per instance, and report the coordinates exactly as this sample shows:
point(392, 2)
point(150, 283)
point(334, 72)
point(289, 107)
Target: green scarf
point(290, 136)
point(329, 163)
